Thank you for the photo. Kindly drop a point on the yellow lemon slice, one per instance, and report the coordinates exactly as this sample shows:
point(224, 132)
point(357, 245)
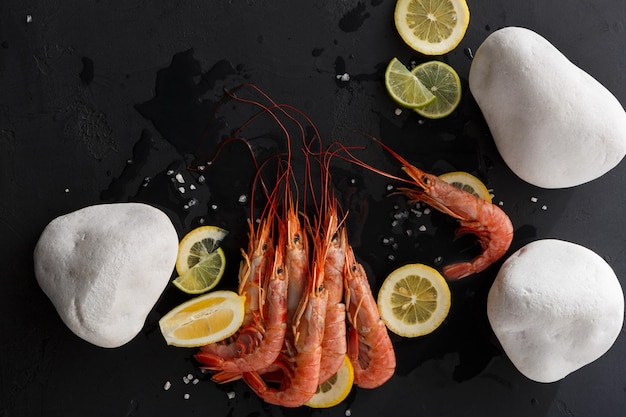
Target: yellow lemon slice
point(467, 182)
point(202, 320)
point(443, 81)
point(197, 245)
point(432, 27)
point(414, 300)
point(404, 87)
point(336, 389)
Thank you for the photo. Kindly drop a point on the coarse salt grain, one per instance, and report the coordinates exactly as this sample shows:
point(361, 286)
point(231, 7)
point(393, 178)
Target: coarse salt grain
point(230, 395)
point(243, 198)
point(195, 381)
point(348, 412)
point(533, 199)
point(544, 207)
point(29, 18)
point(422, 228)
point(186, 396)
point(179, 178)
point(426, 211)
point(170, 171)
point(398, 111)
point(167, 385)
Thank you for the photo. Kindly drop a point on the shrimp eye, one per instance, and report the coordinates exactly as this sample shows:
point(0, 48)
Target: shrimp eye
point(425, 180)
point(296, 239)
point(279, 270)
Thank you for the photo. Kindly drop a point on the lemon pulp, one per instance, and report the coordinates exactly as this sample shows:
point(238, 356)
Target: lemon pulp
point(414, 300)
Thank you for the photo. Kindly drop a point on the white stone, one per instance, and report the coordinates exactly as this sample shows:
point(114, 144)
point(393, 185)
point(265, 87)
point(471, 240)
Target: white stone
point(105, 266)
point(554, 125)
point(555, 306)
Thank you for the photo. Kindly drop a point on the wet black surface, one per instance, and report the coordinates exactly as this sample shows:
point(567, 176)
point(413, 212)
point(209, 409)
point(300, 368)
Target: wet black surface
point(106, 101)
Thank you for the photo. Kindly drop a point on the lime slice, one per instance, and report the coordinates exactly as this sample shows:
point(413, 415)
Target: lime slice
point(197, 245)
point(204, 275)
point(336, 389)
point(467, 182)
point(414, 300)
point(404, 87)
point(443, 81)
point(202, 320)
point(432, 27)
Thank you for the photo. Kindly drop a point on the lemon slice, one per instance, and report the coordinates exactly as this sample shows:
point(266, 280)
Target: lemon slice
point(414, 300)
point(467, 182)
point(204, 275)
point(432, 27)
point(197, 245)
point(202, 320)
point(336, 389)
point(443, 81)
point(404, 87)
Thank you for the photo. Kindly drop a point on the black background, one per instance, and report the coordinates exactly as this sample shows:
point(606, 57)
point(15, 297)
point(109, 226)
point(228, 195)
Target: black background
point(103, 101)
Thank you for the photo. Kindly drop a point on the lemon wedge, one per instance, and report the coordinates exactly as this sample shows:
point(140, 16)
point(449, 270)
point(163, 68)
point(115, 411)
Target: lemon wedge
point(432, 27)
point(414, 300)
point(336, 389)
point(205, 319)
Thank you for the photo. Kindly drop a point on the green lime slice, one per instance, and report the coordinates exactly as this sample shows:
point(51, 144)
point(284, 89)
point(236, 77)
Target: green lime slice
point(204, 275)
point(404, 87)
point(443, 81)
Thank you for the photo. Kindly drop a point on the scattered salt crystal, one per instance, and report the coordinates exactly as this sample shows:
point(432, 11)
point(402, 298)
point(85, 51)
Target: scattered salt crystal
point(202, 221)
point(422, 228)
point(544, 207)
point(230, 395)
point(348, 412)
point(186, 396)
point(426, 211)
point(192, 202)
point(67, 190)
point(167, 385)
point(185, 380)
point(437, 260)
point(343, 77)
point(243, 198)
point(129, 161)
point(201, 179)
point(195, 381)
point(409, 232)
point(533, 199)
point(201, 167)
point(189, 376)
point(181, 190)
point(389, 187)
point(179, 178)
point(213, 206)
point(192, 187)
point(170, 171)
point(391, 257)
point(420, 122)
point(352, 181)
point(394, 246)
point(500, 203)
point(29, 18)
point(398, 111)
point(394, 223)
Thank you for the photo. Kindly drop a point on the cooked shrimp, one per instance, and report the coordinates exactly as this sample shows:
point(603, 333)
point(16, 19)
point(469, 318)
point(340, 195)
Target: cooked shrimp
point(300, 367)
point(369, 346)
point(476, 216)
point(268, 332)
point(334, 346)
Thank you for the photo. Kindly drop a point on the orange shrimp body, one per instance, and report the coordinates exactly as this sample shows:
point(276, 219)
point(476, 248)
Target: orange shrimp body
point(269, 332)
point(476, 216)
point(300, 368)
point(297, 262)
point(369, 346)
point(334, 346)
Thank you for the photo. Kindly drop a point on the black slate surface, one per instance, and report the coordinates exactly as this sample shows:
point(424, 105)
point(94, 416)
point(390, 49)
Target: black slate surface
point(102, 101)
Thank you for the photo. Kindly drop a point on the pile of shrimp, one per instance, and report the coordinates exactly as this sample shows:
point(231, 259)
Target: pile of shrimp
point(308, 299)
